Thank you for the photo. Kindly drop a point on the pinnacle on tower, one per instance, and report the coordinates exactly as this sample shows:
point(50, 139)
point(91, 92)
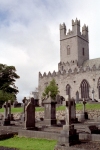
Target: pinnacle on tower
point(76, 22)
point(85, 28)
point(62, 26)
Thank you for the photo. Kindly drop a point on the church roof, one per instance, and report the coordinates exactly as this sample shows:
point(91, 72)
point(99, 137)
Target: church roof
point(92, 62)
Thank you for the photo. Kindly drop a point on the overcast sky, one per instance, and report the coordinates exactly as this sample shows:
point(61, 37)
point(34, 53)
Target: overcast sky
point(29, 35)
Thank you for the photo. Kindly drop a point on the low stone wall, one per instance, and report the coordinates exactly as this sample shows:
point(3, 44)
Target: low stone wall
point(60, 115)
point(38, 134)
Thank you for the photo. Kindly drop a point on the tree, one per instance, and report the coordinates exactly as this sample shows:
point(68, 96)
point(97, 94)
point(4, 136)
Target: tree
point(4, 96)
point(52, 88)
point(7, 81)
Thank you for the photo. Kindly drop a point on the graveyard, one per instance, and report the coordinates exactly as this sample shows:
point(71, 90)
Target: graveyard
point(71, 129)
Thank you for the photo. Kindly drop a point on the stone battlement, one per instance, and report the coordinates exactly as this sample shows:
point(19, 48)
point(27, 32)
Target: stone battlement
point(70, 71)
point(72, 62)
point(75, 31)
point(76, 22)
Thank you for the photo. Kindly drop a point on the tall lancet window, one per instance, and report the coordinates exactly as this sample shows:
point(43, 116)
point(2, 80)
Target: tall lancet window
point(68, 50)
point(68, 89)
point(98, 87)
point(83, 51)
point(84, 89)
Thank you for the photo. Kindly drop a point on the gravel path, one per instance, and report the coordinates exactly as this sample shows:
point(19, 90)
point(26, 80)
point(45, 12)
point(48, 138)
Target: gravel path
point(89, 146)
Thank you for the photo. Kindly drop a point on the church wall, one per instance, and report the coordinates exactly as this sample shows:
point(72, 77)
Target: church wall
point(74, 80)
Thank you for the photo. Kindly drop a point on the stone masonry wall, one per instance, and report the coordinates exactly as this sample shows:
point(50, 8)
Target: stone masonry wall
point(60, 115)
point(74, 79)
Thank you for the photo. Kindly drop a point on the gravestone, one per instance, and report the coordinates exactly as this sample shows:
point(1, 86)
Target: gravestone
point(9, 109)
point(7, 113)
point(10, 115)
point(49, 111)
point(30, 115)
point(24, 105)
point(84, 111)
point(68, 135)
point(72, 109)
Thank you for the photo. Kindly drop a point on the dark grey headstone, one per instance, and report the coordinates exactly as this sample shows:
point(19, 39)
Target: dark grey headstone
point(30, 115)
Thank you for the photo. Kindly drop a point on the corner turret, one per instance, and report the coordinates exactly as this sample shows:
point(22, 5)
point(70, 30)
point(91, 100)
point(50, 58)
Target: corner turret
point(62, 30)
point(76, 26)
point(85, 31)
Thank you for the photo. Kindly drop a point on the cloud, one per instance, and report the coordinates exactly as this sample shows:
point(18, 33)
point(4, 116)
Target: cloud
point(29, 35)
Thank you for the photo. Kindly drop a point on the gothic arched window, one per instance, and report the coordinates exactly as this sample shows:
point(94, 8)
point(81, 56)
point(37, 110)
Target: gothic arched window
point(98, 87)
point(68, 50)
point(84, 89)
point(68, 89)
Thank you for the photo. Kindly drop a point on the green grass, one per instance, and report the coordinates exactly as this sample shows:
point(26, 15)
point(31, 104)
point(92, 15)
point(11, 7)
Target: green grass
point(60, 108)
point(89, 106)
point(14, 110)
point(39, 108)
point(24, 143)
point(20, 109)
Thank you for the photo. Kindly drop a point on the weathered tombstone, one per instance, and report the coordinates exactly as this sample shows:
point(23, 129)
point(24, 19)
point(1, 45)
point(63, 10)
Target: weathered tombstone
point(10, 115)
point(5, 110)
point(84, 111)
point(30, 115)
point(6, 120)
point(9, 109)
point(72, 109)
point(24, 104)
point(50, 111)
point(68, 135)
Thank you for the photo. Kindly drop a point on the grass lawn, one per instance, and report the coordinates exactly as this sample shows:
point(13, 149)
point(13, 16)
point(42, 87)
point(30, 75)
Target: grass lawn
point(20, 109)
point(23, 143)
point(89, 106)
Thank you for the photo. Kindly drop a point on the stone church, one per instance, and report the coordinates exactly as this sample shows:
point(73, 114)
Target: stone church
point(77, 76)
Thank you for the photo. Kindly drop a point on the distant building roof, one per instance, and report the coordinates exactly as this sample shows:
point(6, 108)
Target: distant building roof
point(92, 62)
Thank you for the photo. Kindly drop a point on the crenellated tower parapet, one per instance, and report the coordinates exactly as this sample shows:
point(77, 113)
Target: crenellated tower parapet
point(75, 30)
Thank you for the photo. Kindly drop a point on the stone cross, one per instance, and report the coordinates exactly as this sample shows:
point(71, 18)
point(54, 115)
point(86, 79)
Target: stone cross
point(9, 109)
point(84, 102)
point(7, 113)
point(68, 111)
point(5, 110)
point(93, 95)
point(24, 104)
